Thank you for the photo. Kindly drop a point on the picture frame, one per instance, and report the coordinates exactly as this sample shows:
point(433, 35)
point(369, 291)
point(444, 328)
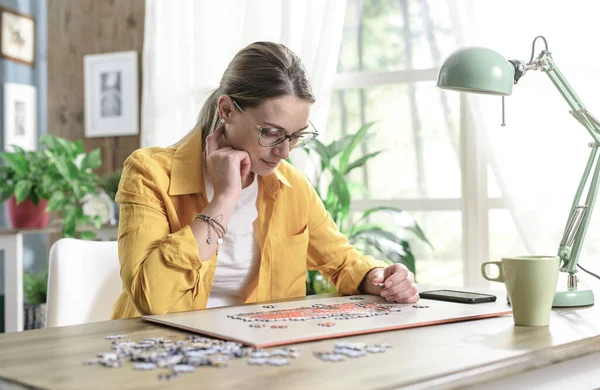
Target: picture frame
point(17, 36)
point(111, 94)
point(20, 117)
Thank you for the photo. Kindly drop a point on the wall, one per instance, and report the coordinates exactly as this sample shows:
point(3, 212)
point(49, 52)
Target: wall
point(66, 30)
point(34, 250)
point(77, 28)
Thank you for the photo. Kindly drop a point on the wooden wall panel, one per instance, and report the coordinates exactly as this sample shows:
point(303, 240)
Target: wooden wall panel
point(77, 28)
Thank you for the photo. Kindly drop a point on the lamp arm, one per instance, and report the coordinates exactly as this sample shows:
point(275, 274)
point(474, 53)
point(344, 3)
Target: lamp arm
point(579, 216)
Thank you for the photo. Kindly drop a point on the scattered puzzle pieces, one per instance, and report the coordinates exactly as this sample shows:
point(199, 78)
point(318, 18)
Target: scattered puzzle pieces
point(343, 349)
point(326, 324)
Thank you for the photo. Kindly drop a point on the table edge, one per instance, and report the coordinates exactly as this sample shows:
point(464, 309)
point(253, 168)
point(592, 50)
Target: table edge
point(510, 366)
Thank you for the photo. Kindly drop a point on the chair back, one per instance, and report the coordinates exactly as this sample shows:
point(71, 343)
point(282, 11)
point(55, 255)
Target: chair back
point(84, 281)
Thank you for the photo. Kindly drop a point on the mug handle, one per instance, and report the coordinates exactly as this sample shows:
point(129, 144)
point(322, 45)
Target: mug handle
point(498, 264)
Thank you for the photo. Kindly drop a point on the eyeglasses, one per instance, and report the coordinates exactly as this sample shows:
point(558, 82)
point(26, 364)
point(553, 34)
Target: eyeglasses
point(271, 136)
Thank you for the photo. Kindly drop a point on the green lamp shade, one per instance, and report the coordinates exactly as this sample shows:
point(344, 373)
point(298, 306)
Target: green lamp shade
point(477, 70)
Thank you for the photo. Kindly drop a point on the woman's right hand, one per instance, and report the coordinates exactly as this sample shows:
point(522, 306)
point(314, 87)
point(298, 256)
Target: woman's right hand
point(227, 166)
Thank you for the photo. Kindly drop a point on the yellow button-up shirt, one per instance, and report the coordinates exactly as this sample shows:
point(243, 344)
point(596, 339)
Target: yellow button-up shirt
point(160, 193)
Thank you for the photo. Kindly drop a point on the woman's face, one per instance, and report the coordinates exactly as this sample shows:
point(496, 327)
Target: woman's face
point(288, 113)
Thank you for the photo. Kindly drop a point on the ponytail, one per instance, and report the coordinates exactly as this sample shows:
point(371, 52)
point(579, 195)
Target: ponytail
point(208, 117)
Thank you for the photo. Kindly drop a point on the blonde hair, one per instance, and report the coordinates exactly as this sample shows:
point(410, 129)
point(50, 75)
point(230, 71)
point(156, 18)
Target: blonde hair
point(260, 71)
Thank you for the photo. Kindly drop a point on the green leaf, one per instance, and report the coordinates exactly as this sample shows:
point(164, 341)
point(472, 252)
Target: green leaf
point(78, 147)
point(91, 160)
point(57, 202)
point(5, 194)
point(87, 235)
point(17, 162)
point(336, 147)
point(66, 146)
point(361, 161)
point(22, 190)
point(356, 139)
point(69, 225)
point(51, 142)
point(18, 150)
point(357, 229)
point(412, 227)
point(339, 188)
point(61, 165)
point(390, 245)
point(35, 287)
point(33, 196)
point(97, 222)
point(322, 151)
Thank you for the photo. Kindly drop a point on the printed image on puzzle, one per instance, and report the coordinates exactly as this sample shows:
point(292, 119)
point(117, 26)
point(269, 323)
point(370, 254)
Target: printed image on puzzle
point(338, 311)
point(272, 324)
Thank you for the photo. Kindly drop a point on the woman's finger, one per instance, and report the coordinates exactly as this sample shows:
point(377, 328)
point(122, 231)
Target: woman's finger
point(403, 285)
point(408, 296)
point(212, 140)
point(400, 273)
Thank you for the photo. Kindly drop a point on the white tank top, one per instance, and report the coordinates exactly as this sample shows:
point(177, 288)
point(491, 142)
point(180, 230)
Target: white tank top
point(238, 260)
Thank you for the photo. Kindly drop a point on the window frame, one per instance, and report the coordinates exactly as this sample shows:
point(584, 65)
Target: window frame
point(474, 203)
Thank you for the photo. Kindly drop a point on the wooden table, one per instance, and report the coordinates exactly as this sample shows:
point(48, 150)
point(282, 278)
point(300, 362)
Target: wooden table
point(443, 356)
point(11, 243)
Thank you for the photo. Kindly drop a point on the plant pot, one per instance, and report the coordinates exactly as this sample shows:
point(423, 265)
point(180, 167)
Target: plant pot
point(34, 316)
point(26, 214)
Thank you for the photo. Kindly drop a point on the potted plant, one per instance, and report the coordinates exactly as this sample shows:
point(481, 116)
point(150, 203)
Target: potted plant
point(335, 165)
point(54, 179)
point(35, 287)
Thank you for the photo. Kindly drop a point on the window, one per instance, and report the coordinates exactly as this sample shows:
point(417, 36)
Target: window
point(389, 59)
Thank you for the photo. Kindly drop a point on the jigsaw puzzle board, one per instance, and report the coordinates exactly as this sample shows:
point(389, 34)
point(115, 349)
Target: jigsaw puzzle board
point(267, 325)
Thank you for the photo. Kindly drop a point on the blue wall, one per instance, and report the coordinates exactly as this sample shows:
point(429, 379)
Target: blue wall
point(34, 250)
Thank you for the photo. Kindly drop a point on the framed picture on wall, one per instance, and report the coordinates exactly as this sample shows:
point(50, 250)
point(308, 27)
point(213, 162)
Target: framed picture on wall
point(17, 35)
point(20, 117)
point(111, 94)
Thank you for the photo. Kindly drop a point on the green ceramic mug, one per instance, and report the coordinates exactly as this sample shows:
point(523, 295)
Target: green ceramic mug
point(531, 283)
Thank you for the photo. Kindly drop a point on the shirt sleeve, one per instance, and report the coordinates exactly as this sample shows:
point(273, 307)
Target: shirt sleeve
point(157, 267)
point(330, 252)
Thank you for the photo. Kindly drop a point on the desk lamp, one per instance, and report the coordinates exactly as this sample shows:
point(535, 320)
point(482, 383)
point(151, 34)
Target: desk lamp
point(485, 71)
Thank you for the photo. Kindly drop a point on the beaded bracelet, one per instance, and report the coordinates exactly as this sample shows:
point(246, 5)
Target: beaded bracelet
point(216, 225)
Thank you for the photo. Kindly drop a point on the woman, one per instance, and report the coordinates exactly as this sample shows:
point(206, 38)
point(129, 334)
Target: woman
point(221, 218)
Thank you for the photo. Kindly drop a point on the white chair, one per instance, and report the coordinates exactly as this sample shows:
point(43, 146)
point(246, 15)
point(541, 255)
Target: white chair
point(84, 281)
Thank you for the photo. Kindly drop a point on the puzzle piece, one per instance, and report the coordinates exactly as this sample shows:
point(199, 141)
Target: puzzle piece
point(144, 366)
point(183, 368)
point(326, 324)
point(329, 356)
point(115, 337)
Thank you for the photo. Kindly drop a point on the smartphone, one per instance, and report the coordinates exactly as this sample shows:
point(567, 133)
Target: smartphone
point(457, 296)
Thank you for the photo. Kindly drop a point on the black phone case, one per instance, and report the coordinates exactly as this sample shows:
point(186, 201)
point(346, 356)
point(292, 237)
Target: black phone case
point(448, 298)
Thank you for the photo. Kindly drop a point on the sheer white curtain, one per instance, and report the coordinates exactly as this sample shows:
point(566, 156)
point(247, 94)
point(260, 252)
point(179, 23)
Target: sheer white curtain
point(189, 43)
point(539, 157)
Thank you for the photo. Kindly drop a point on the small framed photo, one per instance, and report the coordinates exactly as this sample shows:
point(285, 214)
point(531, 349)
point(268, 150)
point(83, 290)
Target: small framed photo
point(111, 94)
point(20, 116)
point(17, 35)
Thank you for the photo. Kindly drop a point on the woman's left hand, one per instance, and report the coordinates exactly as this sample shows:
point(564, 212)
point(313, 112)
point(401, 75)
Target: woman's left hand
point(399, 284)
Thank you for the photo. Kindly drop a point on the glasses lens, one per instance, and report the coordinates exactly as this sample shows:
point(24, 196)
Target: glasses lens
point(302, 139)
point(270, 137)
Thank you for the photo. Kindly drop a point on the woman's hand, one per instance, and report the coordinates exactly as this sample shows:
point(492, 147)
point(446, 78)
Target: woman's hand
point(227, 166)
point(398, 284)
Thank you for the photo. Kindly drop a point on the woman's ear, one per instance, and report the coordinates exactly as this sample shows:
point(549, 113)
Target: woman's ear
point(225, 107)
